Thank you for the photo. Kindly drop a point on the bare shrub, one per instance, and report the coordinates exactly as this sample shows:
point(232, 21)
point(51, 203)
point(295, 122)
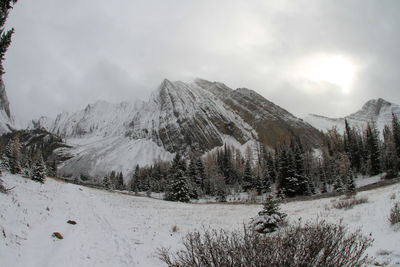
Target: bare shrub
point(394, 216)
point(349, 203)
point(312, 244)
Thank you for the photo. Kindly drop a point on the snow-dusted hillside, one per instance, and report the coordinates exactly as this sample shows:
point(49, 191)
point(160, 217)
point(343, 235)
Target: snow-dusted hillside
point(378, 111)
point(197, 116)
point(121, 230)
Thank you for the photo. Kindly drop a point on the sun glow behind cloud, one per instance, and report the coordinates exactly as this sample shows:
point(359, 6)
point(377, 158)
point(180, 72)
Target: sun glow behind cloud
point(337, 70)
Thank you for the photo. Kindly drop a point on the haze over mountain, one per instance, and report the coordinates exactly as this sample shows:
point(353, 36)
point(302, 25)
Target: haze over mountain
point(195, 116)
point(378, 111)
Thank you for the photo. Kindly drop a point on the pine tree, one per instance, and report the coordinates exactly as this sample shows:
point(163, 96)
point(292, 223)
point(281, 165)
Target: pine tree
point(248, 180)
point(338, 186)
point(12, 156)
point(200, 175)
point(5, 36)
point(288, 181)
point(372, 145)
point(39, 170)
point(120, 181)
point(269, 218)
point(178, 189)
point(396, 133)
point(350, 183)
point(390, 159)
point(106, 182)
point(135, 180)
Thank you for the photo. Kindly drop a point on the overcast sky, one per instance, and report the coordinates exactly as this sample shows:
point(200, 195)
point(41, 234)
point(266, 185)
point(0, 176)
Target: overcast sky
point(324, 57)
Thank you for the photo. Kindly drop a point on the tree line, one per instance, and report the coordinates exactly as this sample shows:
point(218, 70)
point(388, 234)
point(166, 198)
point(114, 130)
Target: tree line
point(288, 170)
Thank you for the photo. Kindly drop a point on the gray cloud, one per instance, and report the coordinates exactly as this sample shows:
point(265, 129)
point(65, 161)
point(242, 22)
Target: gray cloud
point(66, 54)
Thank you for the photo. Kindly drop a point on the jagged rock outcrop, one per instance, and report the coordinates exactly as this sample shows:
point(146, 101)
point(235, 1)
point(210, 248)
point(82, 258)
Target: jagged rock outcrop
point(6, 121)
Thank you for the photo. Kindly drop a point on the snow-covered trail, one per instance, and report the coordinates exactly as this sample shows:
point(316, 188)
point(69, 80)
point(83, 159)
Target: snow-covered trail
point(112, 229)
point(120, 230)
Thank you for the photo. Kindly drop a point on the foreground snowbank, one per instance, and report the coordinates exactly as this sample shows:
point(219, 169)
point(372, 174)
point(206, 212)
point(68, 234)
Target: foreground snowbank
point(120, 230)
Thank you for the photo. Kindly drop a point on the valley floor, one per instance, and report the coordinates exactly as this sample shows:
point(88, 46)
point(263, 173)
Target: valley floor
point(120, 230)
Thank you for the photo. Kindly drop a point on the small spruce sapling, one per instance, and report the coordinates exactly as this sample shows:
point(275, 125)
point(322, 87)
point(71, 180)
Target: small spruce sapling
point(270, 218)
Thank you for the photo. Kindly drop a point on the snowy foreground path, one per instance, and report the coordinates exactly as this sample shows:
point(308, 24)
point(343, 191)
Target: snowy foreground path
point(120, 230)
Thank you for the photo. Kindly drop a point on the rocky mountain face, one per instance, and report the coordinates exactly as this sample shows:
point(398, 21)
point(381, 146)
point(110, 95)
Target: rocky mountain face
point(196, 116)
point(378, 111)
point(6, 121)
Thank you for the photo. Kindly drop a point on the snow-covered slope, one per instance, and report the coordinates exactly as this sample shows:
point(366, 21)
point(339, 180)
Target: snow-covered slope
point(121, 230)
point(378, 111)
point(196, 116)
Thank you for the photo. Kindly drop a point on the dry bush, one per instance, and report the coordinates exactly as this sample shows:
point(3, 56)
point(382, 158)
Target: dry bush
point(312, 244)
point(394, 216)
point(349, 203)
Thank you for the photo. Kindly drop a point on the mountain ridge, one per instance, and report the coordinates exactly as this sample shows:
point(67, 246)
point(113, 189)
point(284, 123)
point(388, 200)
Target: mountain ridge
point(379, 111)
point(193, 117)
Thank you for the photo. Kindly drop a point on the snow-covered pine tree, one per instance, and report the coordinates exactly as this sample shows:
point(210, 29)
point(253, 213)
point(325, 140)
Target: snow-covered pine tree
point(269, 218)
point(267, 180)
point(106, 182)
point(350, 183)
point(200, 175)
point(372, 146)
point(396, 133)
point(288, 182)
point(248, 180)
point(178, 189)
point(38, 172)
point(5, 37)
point(390, 159)
point(120, 181)
point(338, 185)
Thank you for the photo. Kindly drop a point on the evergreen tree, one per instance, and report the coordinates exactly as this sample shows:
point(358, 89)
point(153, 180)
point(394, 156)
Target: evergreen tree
point(350, 183)
point(269, 218)
point(5, 36)
point(248, 180)
point(135, 180)
point(372, 145)
point(288, 180)
point(200, 175)
point(338, 186)
point(12, 156)
point(38, 172)
point(106, 182)
point(178, 189)
point(390, 159)
point(120, 181)
point(396, 133)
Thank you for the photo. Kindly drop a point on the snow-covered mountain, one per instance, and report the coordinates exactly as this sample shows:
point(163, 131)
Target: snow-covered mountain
point(378, 111)
point(6, 120)
point(196, 116)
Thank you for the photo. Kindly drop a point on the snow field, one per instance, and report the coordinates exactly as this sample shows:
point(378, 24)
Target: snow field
point(120, 230)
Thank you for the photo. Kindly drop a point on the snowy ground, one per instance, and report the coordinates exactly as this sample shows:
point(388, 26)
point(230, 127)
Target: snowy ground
point(120, 230)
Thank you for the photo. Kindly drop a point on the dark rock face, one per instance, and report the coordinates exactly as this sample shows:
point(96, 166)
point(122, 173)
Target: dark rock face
point(197, 116)
point(4, 104)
